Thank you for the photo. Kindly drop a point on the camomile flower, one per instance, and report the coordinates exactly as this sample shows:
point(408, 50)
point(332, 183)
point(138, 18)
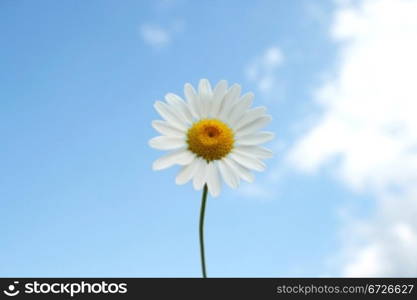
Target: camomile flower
point(213, 134)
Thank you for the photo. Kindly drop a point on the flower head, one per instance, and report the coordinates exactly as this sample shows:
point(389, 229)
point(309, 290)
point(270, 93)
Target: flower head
point(214, 134)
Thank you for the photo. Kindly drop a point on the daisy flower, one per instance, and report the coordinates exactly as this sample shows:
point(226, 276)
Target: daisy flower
point(213, 134)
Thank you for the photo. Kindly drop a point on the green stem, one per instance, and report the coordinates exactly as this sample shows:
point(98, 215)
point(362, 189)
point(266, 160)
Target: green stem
point(202, 213)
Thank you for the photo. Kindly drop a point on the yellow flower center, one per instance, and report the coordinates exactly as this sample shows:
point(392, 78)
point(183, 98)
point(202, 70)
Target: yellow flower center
point(210, 139)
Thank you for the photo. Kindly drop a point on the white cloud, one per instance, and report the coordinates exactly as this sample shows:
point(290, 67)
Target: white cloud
point(263, 69)
point(158, 36)
point(255, 191)
point(155, 35)
point(389, 250)
point(368, 129)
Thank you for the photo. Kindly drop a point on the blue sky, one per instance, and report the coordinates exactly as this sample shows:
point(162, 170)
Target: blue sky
point(77, 193)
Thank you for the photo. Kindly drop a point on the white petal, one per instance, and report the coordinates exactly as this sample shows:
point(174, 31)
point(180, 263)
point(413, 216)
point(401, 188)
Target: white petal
point(213, 179)
point(169, 114)
point(240, 108)
point(250, 116)
point(167, 142)
point(180, 105)
point(193, 100)
point(200, 175)
point(179, 157)
point(218, 95)
point(257, 151)
point(163, 127)
point(253, 126)
point(229, 175)
point(255, 138)
point(204, 89)
point(172, 98)
point(187, 172)
point(247, 161)
point(228, 101)
point(241, 171)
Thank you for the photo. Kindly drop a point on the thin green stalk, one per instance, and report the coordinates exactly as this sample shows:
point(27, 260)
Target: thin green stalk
point(202, 213)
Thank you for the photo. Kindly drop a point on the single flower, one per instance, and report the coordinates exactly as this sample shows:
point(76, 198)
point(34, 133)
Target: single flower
point(214, 134)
